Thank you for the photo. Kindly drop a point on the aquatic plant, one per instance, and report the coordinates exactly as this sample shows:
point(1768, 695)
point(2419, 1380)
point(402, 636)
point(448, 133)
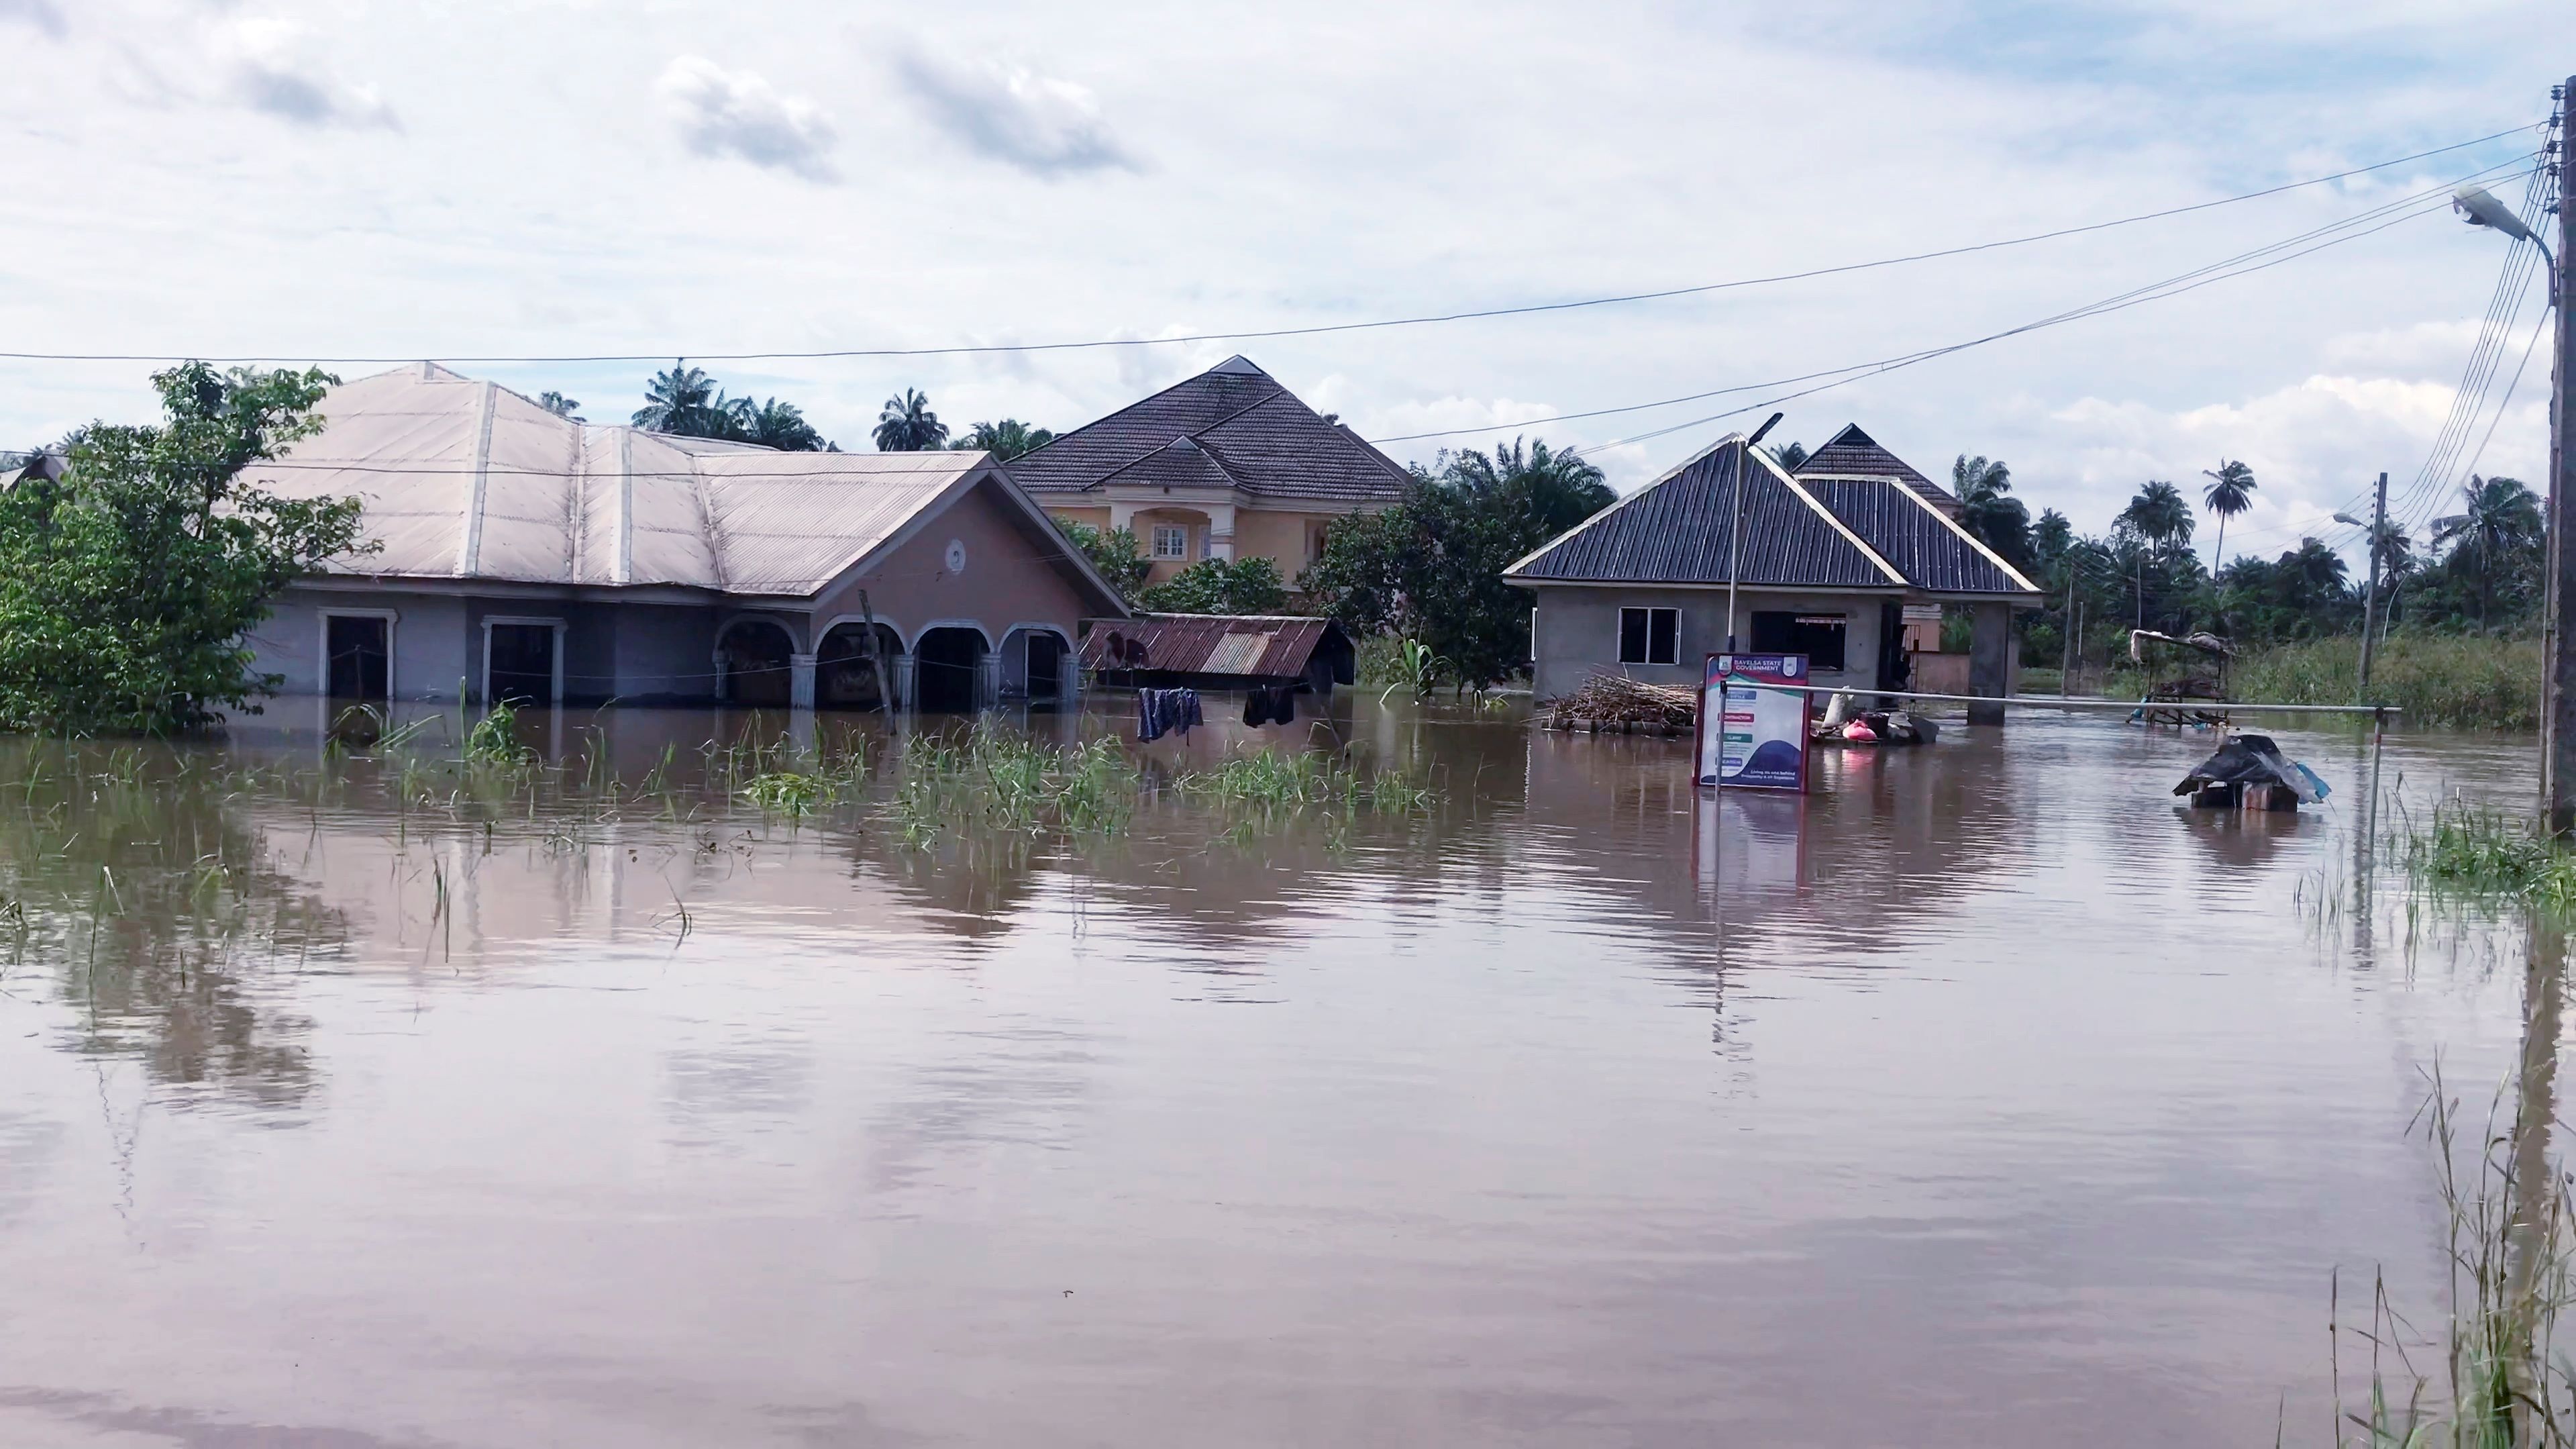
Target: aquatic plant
point(785, 792)
point(494, 738)
point(2473, 853)
point(2502, 1382)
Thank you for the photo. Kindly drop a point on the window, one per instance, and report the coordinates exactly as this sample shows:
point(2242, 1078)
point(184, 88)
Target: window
point(1171, 540)
point(1315, 543)
point(1650, 636)
point(1818, 636)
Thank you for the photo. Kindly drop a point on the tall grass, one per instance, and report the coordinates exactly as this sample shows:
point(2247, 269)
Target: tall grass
point(2439, 680)
point(2500, 1382)
point(2479, 854)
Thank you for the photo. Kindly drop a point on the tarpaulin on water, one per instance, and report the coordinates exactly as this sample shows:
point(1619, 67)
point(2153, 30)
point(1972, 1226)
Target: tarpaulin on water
point(2253, 760)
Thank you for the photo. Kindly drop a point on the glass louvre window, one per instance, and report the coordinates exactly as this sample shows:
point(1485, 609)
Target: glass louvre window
point(1171, 540)
point(1650, 636)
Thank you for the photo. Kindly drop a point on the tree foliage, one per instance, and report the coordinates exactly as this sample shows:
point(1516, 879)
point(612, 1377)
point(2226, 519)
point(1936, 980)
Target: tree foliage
point(128, 584)
point(2000, 521)
point(907, 425)
point(1005, 440)
point(685, 402)
point(2230, 492)
point(1114, 552)
point(1220, 586)
point(1431, 566)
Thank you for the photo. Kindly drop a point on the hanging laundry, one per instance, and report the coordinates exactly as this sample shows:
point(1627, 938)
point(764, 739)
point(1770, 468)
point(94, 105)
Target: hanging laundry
point(1161, 711)
point(1270, 704)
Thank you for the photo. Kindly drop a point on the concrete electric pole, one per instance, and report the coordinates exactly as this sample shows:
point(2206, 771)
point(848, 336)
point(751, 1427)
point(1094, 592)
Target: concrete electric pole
point(2558, 712)
point(2370, 601)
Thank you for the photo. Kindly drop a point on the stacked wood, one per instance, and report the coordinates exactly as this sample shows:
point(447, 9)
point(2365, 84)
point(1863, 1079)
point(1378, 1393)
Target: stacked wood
point(1615, 704)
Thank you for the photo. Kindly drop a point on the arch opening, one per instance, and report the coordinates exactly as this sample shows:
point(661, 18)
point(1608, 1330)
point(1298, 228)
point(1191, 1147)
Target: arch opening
point(757, 673)
point(845, 668)
point(948, 670)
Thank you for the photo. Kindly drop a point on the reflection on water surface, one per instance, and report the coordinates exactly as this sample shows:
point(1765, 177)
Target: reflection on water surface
point(1982, 1097)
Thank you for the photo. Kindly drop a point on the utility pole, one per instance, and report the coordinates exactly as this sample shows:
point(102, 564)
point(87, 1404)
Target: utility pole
point(1735, 534)
point(2066, 666)
point(2370, 601)
point(2558, 712)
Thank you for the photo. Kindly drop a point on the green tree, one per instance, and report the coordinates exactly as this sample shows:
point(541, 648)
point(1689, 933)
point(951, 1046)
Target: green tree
point(1220, 586)
point(1999, 521)
point(907, 425)
point(1431, 566)
point(561, 406)
point(1005, 440)
point(1789, 456)
point(2494, 542)
point(127, 585)
point(683, 400)
point(774, 424)
point(2230, 492)
point(2160, 515)
point(1114, 552)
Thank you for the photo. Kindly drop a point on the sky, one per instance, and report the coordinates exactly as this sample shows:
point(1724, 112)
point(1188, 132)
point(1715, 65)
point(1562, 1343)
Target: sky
point(458, 179)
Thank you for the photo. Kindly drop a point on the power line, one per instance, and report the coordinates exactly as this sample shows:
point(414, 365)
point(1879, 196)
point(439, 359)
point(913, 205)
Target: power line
point(1321, 329)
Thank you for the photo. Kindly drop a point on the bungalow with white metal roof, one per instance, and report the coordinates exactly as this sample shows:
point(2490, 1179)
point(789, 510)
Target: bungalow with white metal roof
point(521, 554)
point(1829, 560)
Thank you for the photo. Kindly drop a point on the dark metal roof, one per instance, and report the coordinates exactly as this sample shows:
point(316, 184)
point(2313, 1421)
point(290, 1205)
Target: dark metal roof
point(1676, 529)
point(1263, 646)
point(1931, 551)
point(1852, 453)
point(1260, 439)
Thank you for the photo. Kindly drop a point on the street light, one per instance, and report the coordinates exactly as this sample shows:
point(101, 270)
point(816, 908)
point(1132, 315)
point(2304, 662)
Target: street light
point(2478, 207)
point(1735, 535)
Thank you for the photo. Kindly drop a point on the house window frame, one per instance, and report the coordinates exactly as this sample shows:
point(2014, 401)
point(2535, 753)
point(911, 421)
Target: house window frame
point(555, 685)
point(1180, 549)
point(327, 613)
point(1799, 621)
point(1646, 649)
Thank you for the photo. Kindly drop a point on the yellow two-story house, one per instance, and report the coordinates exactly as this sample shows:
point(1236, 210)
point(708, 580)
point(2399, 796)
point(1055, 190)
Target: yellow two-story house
point(1228, 464)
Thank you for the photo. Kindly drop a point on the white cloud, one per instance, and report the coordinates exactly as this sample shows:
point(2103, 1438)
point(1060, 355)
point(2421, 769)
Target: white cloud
point(739, 114)
point(1011, 114)
point(42, 14)
point(274, 66)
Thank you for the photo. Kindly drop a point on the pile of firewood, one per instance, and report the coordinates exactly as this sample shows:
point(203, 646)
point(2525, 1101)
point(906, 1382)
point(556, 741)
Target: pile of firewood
point(1617, 705)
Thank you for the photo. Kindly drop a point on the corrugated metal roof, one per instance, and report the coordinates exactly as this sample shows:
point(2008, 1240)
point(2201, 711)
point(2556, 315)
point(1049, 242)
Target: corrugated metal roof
point(1905, 528)
point(1261, 439)
point(1852, 453)
point(465, 479)
point(1676, 530)
point(1270, 646)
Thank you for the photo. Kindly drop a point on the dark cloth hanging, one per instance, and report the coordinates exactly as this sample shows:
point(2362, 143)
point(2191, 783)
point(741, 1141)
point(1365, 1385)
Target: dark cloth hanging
point(1270, 704)
point(1161, 711)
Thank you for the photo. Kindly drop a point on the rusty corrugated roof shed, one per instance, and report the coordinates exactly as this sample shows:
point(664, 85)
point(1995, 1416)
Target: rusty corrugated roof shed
point(1261, 646)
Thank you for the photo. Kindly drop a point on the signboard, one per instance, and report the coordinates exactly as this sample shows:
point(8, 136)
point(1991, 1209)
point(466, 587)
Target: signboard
point(1752, 738)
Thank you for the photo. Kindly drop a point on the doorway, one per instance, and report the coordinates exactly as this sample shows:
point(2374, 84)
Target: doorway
point(1045, 667)
point(948, 670)
point(759, 672)
point(521, 669)
point(358, 657)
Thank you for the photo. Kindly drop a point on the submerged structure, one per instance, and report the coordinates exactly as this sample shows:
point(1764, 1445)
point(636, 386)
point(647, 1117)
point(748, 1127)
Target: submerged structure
point(1219, 652)
point(523, 555)
point(1830, 560)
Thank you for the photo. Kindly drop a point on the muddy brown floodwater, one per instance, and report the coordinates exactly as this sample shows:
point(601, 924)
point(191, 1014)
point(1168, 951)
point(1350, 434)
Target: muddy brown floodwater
point(1982, 1098)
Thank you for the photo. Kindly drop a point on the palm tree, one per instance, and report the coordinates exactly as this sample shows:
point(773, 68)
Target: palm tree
point(681, 400)
point(2498, 516)
point(1005, 440)
point(1999, 521)
point(2226, 497)
point(561, 406)
point(779, 425)
point(909, 426)
point(1789, 456)
point(2160, 515)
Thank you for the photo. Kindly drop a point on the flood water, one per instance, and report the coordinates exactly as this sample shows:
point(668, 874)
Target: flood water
point(1981, 1098)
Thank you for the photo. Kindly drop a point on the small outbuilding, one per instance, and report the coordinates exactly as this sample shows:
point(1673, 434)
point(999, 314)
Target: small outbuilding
point(523, 555)
point(1830, 559)
point(1219, 652)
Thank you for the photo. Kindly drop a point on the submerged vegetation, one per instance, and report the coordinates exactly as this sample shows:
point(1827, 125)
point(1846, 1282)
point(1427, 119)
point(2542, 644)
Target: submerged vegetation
point(2480, 854)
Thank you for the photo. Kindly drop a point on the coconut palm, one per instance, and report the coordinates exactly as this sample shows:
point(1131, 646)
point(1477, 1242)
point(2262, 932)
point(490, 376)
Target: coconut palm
point(909, 426)
point(1998, 520)
point(1005, 440)
point(775, 424)
point(561, 406)
point(2498, 516)
point(2160, 515)
point(1789, 456)
point(2227, 496)
point(682, 400)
